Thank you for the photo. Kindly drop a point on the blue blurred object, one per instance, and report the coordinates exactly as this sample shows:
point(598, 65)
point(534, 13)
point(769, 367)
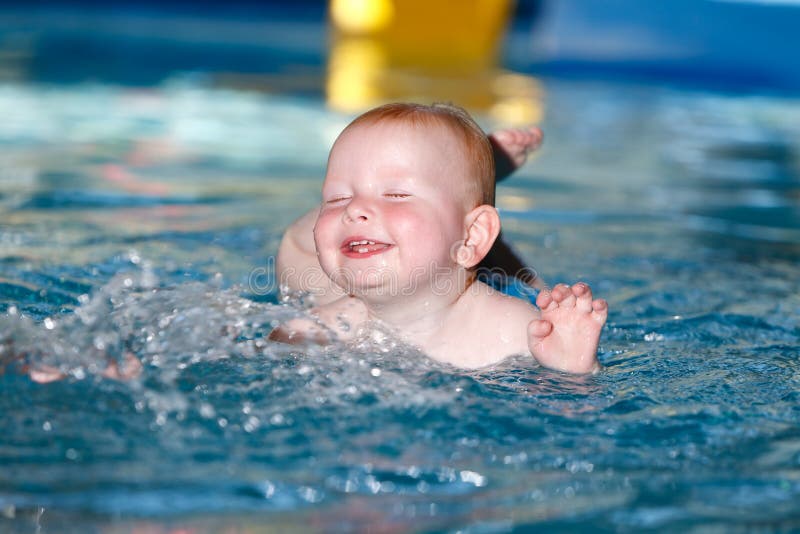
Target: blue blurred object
point(145, 43)
point(721, 44)
point(743, 45)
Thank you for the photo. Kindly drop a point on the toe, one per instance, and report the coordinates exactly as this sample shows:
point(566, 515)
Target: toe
point(562, 294)
point(535, 136)
point(600, 310)
point(539, 328)
point(503, 136)
point(544, 300)
point(583, 296)
point(558, 292)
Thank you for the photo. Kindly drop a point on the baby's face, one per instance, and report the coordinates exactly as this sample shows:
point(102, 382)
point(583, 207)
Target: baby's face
point(392, 207)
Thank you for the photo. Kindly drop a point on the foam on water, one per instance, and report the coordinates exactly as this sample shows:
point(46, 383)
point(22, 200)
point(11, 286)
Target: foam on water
point(221, 419)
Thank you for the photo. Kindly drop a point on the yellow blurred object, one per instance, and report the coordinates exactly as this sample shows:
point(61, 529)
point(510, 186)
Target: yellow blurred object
point(518, 99)
point(426, 50)
point(352, 68)
point(457, 35)
point(362, 16)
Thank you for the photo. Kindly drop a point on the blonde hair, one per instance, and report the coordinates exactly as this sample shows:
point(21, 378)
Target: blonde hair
point(477, 147)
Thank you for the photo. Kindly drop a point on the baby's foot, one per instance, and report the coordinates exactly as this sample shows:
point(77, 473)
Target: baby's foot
point(512, 146)
point(567, 335)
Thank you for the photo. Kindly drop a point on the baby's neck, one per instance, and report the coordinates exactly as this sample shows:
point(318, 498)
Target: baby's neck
point(416, 318)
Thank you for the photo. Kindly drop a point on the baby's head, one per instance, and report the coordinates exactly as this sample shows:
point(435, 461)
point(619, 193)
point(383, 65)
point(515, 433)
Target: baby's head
point(479, 185)
point(409, 188)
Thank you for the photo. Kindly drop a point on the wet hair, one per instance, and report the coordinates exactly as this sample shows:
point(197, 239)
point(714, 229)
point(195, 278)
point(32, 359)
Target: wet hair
point(476, 145)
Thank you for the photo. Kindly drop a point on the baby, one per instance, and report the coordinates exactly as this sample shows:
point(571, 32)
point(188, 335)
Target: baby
point(407, 215)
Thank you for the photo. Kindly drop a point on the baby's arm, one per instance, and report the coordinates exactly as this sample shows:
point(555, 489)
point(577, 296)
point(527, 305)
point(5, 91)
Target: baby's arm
point(567, 335)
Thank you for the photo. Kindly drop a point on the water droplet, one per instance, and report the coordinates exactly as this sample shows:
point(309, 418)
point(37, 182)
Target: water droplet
point(46, 426)
point(277, 419)
point(310, 494)
point(375, 372)
point(268, 489)
point(207, 411)
point(343, 323)
point(372, 483)
point(378, 336)
point(71, 454)
point(251, 424)
point(471, 477)
point(653, 336)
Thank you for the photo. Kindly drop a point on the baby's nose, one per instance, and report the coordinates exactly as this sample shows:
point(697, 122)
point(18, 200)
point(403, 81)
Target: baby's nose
point(358, 209)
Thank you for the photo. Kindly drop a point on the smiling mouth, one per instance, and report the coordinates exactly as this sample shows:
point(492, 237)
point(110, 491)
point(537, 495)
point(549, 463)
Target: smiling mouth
point(363, 248)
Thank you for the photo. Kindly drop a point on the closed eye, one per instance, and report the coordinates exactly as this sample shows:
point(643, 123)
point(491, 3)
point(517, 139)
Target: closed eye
point(336, 200)
point(396, 195)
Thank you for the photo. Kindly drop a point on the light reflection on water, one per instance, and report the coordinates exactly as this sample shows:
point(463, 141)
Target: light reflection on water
point(679, 208)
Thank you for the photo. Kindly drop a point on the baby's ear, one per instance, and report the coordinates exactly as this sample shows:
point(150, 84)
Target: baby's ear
point(482, 226)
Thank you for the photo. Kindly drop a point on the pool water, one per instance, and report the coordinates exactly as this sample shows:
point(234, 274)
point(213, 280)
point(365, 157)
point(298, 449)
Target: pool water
point(146, 221)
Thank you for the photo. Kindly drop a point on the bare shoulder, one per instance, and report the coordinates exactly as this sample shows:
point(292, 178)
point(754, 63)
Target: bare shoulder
point(301, 232)
point(499, 320)
point(324, 324)
point(297, 244)
point(497, 306)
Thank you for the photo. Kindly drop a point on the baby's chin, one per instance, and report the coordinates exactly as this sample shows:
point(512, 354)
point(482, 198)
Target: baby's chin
point(371, 284)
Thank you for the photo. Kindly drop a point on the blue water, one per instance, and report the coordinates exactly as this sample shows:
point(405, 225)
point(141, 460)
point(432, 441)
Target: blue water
point(144, 221)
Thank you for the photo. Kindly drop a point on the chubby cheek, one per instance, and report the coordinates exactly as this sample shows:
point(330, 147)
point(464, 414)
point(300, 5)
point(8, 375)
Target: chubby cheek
point(325, 234)
point(425, 234)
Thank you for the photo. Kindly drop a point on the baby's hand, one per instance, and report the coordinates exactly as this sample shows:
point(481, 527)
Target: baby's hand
point(568, 333)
